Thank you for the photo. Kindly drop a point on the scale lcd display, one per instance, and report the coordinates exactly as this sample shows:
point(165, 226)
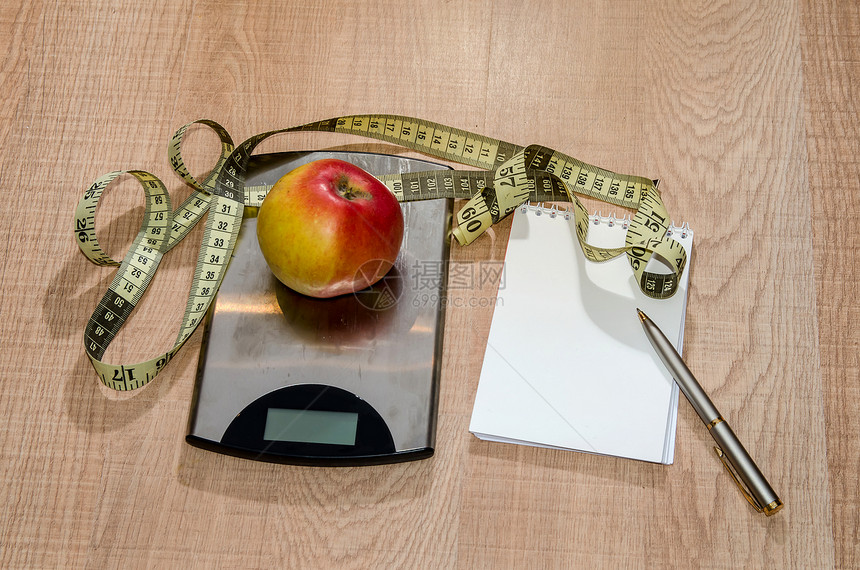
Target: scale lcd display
point(310, 426)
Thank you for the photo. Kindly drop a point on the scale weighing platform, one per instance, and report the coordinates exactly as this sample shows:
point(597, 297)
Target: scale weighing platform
point(352, 380)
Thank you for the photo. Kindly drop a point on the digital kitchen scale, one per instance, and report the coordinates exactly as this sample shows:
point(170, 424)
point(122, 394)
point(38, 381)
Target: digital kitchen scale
point(351, 380)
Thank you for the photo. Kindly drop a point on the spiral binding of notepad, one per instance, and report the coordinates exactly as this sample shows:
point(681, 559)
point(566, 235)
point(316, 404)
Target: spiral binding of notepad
point(556, 210)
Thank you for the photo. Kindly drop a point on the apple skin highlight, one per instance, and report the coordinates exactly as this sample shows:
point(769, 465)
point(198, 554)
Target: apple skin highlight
point(322, 224)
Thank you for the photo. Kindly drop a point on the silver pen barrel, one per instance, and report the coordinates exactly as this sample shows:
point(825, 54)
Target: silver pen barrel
point(732, 453)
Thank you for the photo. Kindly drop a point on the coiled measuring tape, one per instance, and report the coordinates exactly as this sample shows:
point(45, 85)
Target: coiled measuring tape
point(509, 175)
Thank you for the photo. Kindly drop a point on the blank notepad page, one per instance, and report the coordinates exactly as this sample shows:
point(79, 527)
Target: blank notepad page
point(567, 364)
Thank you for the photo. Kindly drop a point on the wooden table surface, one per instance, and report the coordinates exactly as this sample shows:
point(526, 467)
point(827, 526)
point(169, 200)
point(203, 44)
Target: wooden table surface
point(748, 113)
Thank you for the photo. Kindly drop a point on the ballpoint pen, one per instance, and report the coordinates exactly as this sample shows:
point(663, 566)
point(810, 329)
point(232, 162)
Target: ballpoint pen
point(731, 452)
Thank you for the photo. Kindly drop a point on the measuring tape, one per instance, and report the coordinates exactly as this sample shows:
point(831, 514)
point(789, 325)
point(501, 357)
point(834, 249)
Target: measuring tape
point(509, 175)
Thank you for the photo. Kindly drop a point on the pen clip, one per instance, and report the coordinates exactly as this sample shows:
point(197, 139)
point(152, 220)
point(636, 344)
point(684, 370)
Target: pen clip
point(740, 485)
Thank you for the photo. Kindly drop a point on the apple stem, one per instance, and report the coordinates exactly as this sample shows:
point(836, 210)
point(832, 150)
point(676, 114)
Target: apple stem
point(344, 190)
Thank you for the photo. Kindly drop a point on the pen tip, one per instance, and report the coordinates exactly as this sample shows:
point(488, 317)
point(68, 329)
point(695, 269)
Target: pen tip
point(642, 316)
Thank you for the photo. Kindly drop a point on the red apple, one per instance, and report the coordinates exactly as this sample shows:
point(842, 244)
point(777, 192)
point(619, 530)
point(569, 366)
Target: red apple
point(322, 222)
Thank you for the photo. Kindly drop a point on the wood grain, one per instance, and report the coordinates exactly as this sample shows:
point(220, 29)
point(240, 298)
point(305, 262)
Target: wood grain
point(831, 64)
point(746, 111)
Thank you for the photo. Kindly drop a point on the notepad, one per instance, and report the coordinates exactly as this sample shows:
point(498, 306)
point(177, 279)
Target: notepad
point(567, 364)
